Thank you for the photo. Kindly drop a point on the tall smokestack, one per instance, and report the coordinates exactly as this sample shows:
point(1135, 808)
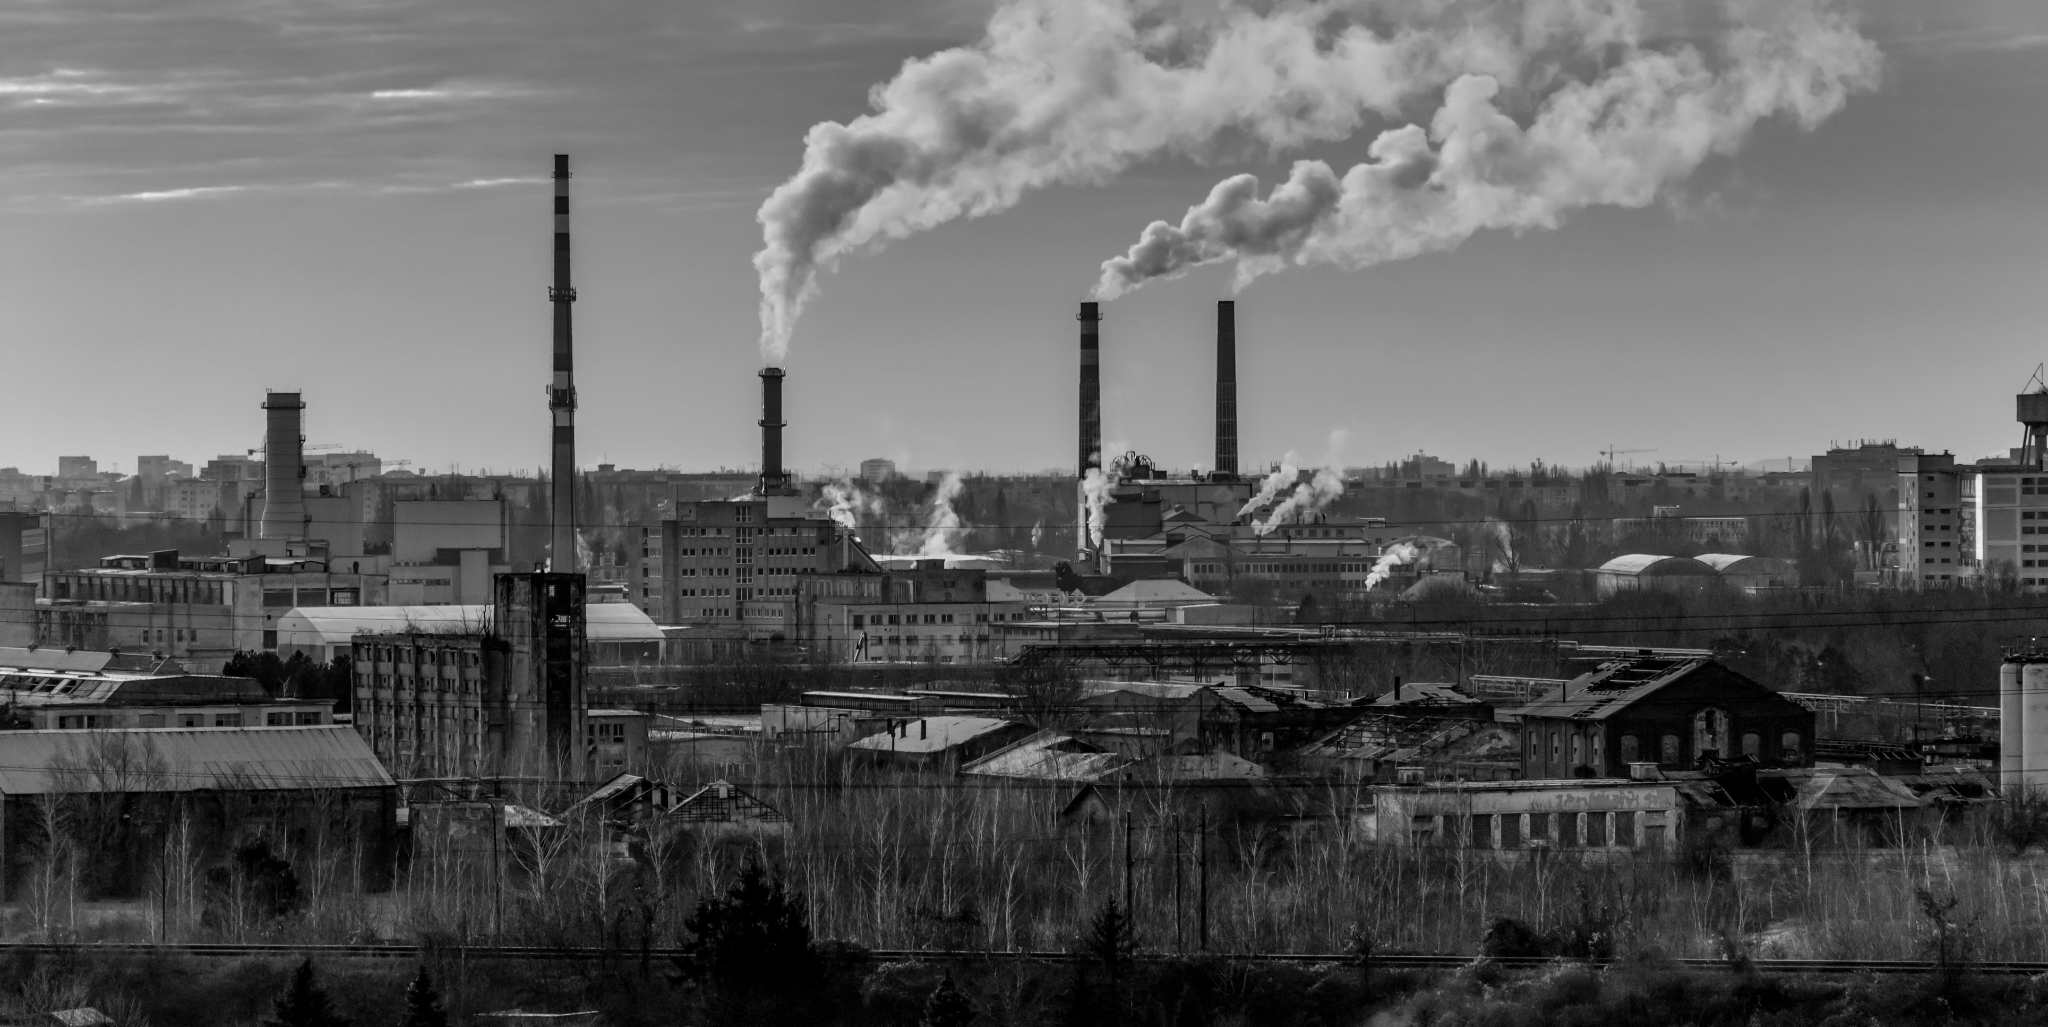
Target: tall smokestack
point(284, 464)
point(562, 391)
point(774, 480)
point(1226, 388)
point(1091, 387)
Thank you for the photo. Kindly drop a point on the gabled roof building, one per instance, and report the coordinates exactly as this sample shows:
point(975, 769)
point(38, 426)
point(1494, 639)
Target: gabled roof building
point(1670, 711)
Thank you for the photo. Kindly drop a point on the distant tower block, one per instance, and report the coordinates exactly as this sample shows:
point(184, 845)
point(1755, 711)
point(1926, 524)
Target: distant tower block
point(284, 465)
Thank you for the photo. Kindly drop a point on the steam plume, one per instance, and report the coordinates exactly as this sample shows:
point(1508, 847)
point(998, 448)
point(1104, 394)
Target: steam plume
point(1307, 500)
point(1396, 554)
point(1620, 139)
point(1075, 91)
point(1284, 475)
point(943, 527)
point(1095, 493)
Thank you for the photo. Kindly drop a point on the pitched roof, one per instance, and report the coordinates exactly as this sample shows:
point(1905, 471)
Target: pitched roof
point(1046, 756)
point(1425, 693)
point(1612, 687)
point(187, 759)
point(722, 802)
point(1158, 590)
point(1255, 699)
point(932, 734)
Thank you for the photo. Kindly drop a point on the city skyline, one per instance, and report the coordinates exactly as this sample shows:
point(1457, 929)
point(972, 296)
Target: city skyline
point(213, 220)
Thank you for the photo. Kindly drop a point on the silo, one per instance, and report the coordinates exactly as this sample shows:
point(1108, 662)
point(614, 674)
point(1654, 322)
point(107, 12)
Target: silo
point(2033, 726)
point(2009, 720)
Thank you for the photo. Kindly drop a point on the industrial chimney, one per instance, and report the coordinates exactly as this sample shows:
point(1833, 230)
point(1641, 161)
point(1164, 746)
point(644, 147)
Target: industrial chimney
point(562, 390)
point(1226, 389)
point(1091, 387)
point(284, 464)
point(774, 479)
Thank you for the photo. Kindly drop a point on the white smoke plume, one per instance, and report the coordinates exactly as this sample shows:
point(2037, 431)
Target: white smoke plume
point(1622, 138)
point(1504, 537)
point(1076, 91)
point(1038, 533)
point(1306, 501)
point(1095, 487)
point(852, 507)
point(1283, 476)
point(1396, 554)
point(943, 526)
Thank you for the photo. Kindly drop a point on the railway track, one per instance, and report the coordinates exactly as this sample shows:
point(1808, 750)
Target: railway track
point(627, 955)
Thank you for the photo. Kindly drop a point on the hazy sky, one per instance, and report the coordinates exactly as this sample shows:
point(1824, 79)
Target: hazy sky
point(207, 198)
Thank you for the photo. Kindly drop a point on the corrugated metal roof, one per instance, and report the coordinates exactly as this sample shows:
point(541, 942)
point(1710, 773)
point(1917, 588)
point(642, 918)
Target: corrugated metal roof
point(1046, 756)
point(188, 759)
point(337, 625)
point(1612, 687)
point(1643, 563)
point(932, 734)
point(41, 658)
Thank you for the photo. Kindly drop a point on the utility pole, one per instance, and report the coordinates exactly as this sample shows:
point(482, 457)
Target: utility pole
point(1202, 878)
point(1177, 933)
point(1127, 867)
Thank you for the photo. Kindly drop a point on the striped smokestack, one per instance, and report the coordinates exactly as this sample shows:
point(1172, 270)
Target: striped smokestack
point(562, 390)
point(1226, 388)
point(1091, 387)
point(774, 479)
point(284, 464)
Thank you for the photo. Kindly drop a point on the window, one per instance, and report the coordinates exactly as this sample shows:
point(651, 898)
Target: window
point(1628, 748)
point(1555, 747)
point(1670, 752)
point(227, 720)
point(1578, 749)
point(1710, 733)
point(1752, 745)
point(191, 720)
point(277, 719)
point(150, 720)
point(1788, 745)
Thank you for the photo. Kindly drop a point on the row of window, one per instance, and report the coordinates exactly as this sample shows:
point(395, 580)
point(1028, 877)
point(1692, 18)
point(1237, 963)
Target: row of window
point(1622, 829)
point(914, 640)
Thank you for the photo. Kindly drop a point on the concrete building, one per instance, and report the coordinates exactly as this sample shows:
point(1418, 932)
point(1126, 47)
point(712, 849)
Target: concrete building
point(616, 741)
point(447, 551)
point(201, 610)
point(735, 569)
point(930, 614)
point(50, 689)
point(616, 634)
point(877, 471)
point(1869, 469)
point(1672, 712)
point(501, 698)
point(22, 553)
point(77, 468)
point(1929, 514)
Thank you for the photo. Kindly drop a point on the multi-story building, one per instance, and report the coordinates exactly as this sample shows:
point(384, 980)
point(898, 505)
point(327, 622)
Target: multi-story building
point(156, 470)
point(232, 467)
point(503, 699)
point(737, 565)
point(77, 468)
point(447, 551)
point(877, 471)
point(1935, 547)
point(202, 610)
point(930, 614)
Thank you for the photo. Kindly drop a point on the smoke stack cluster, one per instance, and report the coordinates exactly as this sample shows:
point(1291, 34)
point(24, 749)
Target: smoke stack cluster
point(1226, 389)
point(284, 465)
point(1091, 387)
point(774, 479)
point(562, 390)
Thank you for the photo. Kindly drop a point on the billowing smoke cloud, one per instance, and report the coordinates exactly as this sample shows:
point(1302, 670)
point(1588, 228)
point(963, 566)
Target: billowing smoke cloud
point(1622, 138)
point(943, 527)
point(1095, 487)
point(852, 507)
point(1076, 91)
point(1306, 501)
point(1282, 477)
point(1395, 555)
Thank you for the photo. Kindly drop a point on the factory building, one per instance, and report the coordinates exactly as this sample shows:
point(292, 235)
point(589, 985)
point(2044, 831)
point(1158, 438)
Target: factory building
point(929, 614)
point(55, 690)
point(1670, 711)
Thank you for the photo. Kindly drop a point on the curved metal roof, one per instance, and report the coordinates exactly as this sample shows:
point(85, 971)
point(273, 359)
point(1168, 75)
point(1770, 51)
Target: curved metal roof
point(1736, 563)
point(1638, 564)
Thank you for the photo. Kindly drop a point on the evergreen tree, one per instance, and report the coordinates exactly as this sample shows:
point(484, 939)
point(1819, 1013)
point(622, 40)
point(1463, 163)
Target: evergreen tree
point(423, 1003)
point(303, 1003)
point(946, 1007)
point(1110, 938)
point(756, 934)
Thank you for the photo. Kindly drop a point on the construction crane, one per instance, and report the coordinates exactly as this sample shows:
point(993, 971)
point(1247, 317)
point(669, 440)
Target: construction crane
point(1610, 452)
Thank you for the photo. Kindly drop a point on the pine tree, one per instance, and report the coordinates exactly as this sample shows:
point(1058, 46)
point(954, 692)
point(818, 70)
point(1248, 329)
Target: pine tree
point(303, 1004)
point(423, 1003)
point(946, 1007)
point(1110, 938)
